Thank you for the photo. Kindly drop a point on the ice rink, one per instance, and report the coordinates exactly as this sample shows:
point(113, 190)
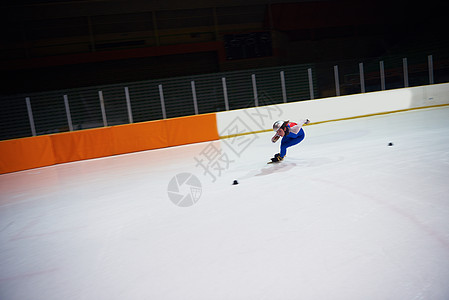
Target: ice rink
point(344, 216)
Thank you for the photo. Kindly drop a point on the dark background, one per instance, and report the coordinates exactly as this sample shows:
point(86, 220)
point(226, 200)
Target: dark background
point(48, 45)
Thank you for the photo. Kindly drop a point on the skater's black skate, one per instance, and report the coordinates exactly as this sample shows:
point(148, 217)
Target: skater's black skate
point(276, 159)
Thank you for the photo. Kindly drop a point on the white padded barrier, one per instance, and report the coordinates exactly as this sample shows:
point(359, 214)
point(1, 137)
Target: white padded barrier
point(257, 119)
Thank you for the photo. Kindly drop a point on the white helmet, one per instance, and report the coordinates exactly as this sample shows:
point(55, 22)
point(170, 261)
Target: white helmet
point(277, 125)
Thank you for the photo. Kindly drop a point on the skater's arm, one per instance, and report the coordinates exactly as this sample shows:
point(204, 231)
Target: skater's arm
point(294, 130)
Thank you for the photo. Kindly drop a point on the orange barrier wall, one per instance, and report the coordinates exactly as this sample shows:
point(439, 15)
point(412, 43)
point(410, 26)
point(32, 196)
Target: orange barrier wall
point(79, 145)
point(33, 152)
point(21, 154)
point(187, 130)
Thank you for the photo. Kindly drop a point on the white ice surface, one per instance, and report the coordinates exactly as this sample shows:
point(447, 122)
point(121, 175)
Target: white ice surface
point(344, 216)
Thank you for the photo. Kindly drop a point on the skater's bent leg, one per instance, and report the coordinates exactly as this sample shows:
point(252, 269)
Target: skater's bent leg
point(288, 142)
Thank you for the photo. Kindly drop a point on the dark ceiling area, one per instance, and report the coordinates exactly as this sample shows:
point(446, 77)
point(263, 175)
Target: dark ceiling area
point(63, 44)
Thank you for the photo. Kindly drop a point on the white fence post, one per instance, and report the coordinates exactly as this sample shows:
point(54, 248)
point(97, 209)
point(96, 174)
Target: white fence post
point(67, 111)
point(30, 116)
point(161, 94)
point(405, 67)
point(103, 111)
point(430, 62)
point(362, 78)
point(309, 73)
point(382, 75)
point(256, 98)
point(337, 81)
point(128, 105)
point(284, 91)
point(225, 93)
point(195, 100)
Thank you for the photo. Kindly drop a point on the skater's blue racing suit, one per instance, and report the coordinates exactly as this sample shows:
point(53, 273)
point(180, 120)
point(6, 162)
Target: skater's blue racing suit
point(295, 136)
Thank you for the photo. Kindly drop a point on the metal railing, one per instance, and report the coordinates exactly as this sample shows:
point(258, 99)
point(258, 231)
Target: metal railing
point(108, 105)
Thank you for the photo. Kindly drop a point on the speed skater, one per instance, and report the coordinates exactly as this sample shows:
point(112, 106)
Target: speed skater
point(291, 133)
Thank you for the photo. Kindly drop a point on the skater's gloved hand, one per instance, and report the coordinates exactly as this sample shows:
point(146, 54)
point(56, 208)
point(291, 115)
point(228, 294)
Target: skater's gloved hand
point(307, 121)
point(275, 138)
